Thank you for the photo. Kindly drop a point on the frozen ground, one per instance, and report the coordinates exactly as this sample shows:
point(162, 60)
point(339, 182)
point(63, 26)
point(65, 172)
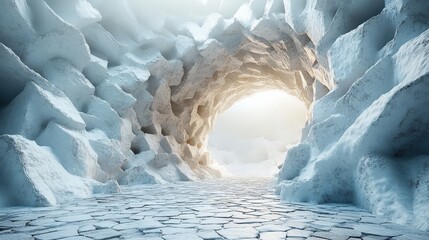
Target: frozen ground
point(215, 209)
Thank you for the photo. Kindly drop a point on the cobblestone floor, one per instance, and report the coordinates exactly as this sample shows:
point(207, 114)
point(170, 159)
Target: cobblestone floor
point(215, 209)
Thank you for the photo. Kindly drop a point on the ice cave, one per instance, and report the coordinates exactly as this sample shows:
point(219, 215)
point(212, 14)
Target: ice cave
point(103, 102)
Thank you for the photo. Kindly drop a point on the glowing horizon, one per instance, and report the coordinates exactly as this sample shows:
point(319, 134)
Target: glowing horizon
point(252, 136)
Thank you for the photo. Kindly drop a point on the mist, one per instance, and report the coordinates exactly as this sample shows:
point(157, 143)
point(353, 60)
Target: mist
point(252, 137)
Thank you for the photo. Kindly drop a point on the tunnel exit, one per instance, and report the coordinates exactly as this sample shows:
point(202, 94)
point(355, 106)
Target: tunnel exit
point(252, 137)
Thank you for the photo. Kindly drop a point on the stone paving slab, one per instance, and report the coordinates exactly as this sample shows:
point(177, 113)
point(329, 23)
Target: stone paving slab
point(207, 210)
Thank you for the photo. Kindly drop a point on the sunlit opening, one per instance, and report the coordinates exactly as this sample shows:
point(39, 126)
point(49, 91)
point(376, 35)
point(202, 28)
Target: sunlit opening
point(252, 137)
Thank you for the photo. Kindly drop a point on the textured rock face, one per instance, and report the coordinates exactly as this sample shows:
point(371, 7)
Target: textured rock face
point(131, 90)
point(367, 141)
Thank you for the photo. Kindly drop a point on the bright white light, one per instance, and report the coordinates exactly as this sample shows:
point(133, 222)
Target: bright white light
point(251, 137)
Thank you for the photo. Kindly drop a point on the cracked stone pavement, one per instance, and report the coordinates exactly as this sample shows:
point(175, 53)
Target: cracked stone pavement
point(211, 209)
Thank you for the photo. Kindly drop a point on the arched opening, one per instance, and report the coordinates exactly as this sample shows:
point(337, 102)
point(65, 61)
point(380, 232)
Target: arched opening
point(252, 136)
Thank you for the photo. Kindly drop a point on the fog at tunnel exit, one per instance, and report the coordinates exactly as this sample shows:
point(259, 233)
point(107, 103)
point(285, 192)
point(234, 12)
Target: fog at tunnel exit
point(252, 136)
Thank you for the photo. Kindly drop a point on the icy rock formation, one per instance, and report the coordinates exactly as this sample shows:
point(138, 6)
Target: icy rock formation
point(367, 140)
point(100, 91)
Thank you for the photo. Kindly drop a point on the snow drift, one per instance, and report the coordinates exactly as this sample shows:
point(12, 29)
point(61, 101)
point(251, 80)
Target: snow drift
point(95, 92)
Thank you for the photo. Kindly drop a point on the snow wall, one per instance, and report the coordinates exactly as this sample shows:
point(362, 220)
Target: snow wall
point(99, 92)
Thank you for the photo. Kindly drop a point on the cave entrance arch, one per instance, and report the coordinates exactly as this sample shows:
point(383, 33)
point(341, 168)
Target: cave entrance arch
point(251, 137)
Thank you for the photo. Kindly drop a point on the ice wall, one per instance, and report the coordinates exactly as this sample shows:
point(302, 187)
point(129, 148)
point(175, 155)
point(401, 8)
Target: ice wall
point(107, 91)
point(367, 141)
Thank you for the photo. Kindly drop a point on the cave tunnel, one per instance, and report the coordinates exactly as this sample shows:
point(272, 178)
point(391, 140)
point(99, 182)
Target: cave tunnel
point(102, 95)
